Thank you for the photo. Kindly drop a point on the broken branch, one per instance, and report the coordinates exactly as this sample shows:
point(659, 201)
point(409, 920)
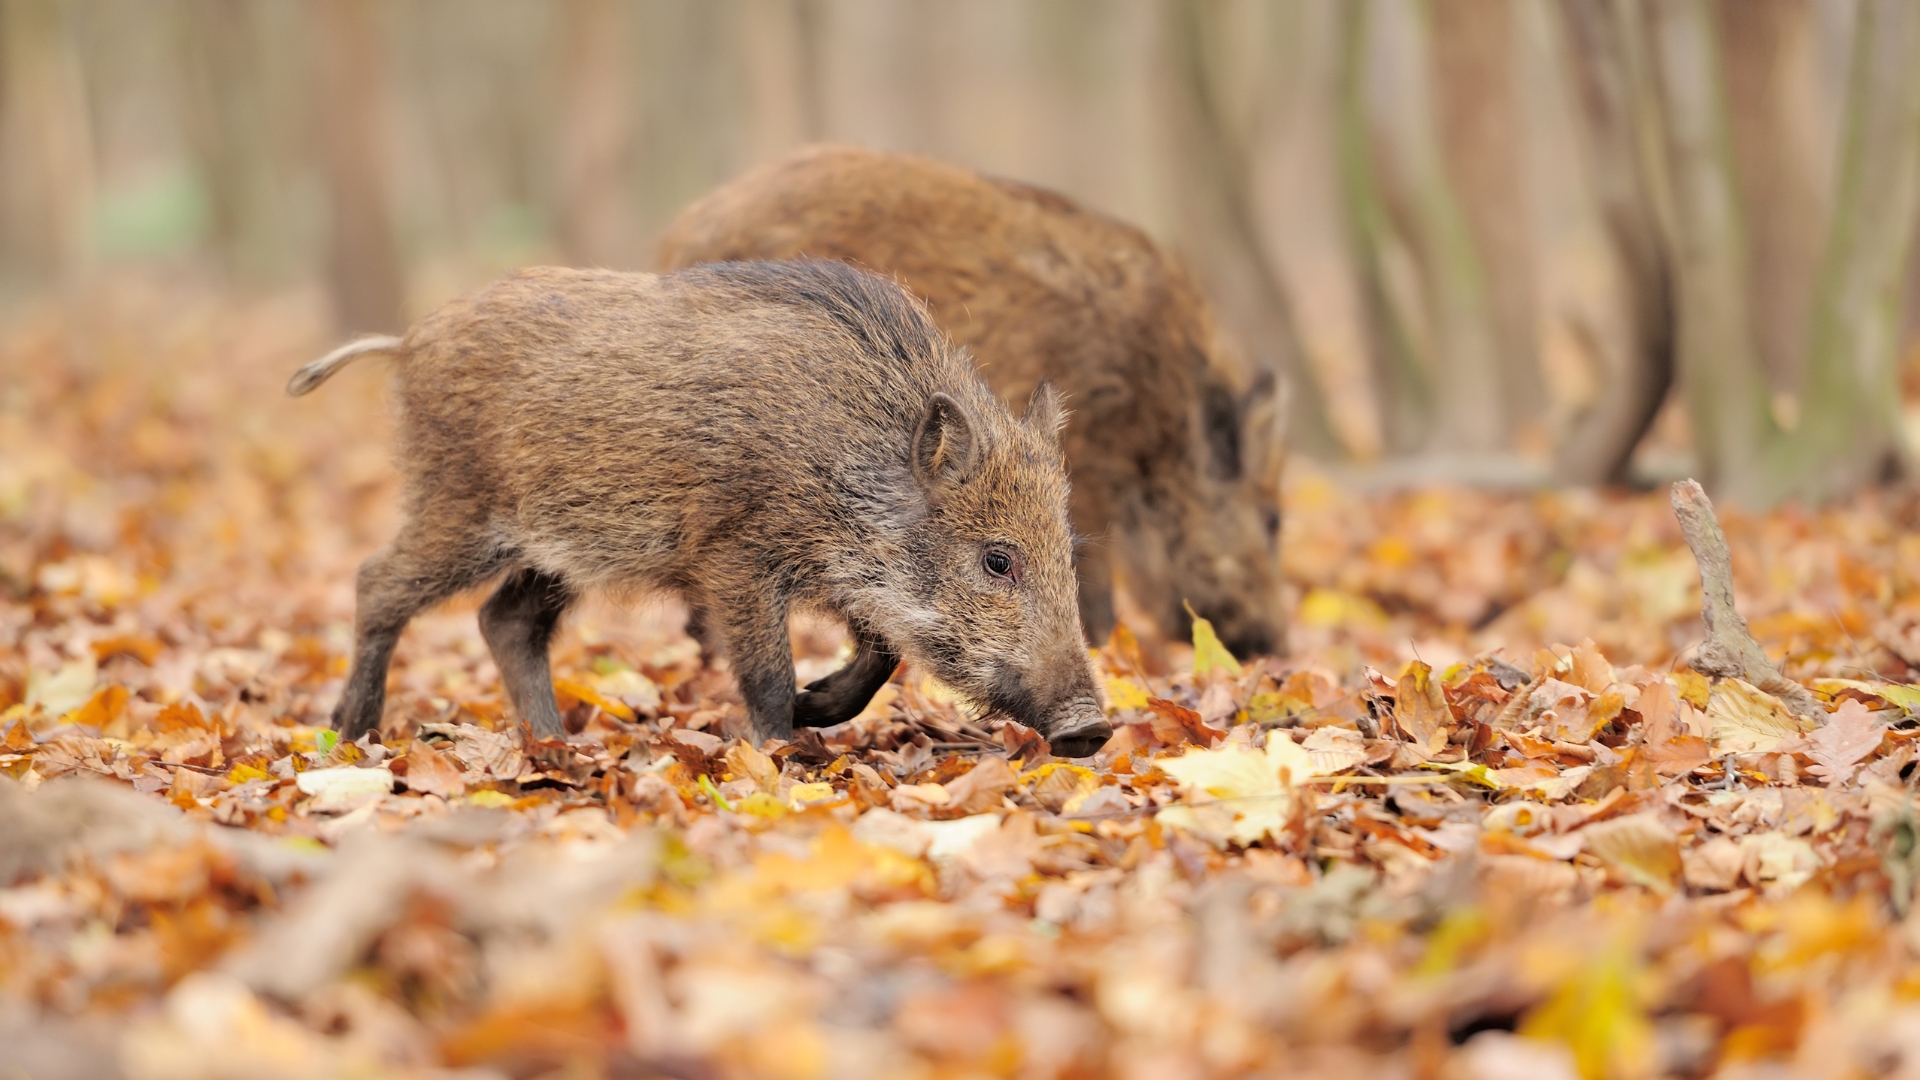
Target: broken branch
point(1729, 651)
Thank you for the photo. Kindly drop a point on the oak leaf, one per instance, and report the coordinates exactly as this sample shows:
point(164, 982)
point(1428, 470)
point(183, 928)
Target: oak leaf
point(1850, 737)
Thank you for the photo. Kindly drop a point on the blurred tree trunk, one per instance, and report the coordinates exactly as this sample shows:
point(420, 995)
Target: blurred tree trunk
point(1396, 332)
point(236, 106)
point(1766, 49)
point(1483, 143)
point(1215, 174)
point(595, 222)
point(1445, 384)
point(1848, 428)
point(46, 145)
point(778, 52)
point(363, 263)
point(1849, 433)
point(1617, 125)
point(1720, 370)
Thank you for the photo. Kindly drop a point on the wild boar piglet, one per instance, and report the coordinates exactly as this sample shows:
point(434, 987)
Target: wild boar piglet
point(1176, 444)
point(754, 437)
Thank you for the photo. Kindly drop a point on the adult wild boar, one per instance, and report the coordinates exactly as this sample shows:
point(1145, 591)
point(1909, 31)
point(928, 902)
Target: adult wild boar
point(1174, 451)
point(753, 437)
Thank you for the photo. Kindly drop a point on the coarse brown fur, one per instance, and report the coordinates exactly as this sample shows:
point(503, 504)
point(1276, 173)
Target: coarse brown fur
point(754, 437)
point(1175, 450)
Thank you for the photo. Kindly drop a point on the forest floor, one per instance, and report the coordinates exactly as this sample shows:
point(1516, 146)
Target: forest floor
point(1485, 821)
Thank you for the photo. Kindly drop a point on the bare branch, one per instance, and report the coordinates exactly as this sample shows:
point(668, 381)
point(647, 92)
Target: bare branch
point(1729, 651)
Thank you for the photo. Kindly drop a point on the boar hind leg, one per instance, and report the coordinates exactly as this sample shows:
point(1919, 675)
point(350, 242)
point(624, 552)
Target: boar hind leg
point(518, 621)
point(421, 569)
point(841, 695)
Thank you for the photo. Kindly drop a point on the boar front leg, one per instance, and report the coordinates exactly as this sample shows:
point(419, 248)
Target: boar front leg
point(518, 621)
point(754, 630)
point(840, 696)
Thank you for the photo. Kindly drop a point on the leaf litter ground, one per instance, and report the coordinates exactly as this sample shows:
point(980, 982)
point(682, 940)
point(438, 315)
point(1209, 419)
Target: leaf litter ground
point(1486, 821)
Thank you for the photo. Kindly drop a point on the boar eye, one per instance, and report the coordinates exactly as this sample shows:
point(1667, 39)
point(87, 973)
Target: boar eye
point(1271, 519)
point(998, 563)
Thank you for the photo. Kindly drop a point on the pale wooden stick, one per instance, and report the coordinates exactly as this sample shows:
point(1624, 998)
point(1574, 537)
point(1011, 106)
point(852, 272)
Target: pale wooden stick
point(1729, 651)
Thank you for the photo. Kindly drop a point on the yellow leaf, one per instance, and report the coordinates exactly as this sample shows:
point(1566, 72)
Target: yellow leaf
point(1597, 1012)
point(1468, 770)
point(1906, 698)
point(489, 799)
point(1694, 687)
point(1746, 719)
point(1123, 694)
point(1326, 608)
point(1236, 794)
point(242, 773)
point(801, 795)
point(567, 688)
point(1208, 653)
point(760, 804)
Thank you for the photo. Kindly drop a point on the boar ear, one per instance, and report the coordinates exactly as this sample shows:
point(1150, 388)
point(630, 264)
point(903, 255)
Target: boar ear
point(946, 449)
point(1046, 413)
point(1265, 431)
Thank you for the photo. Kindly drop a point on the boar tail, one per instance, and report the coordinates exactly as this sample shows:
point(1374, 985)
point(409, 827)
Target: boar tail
point(322, 369)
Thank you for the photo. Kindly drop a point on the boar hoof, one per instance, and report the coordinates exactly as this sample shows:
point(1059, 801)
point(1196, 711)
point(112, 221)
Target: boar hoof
point(1081, 736)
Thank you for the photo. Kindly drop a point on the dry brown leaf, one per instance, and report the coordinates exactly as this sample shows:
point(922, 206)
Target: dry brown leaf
point(431, 772)
point(1639, 849)
point(1420, 708)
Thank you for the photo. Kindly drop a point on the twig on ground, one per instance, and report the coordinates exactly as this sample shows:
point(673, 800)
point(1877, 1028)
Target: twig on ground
point(1729, 651)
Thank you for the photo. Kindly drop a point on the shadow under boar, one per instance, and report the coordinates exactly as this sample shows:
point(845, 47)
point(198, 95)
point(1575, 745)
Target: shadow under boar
point(1175, 450)
point(754, 437)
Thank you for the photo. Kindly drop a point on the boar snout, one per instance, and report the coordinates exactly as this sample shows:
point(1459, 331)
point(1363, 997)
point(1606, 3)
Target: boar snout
point(1080, 729)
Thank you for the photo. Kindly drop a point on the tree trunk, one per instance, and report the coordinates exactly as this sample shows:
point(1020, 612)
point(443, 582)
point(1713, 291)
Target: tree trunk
point(595, 219)
point(1850, 431)
point(1772, 83)
point(1616, 114)
point(1719, 365)
point(1483, 143)
point(46, 145)
point(237, 97)
point(1423, 275)
point(1215, 176)
point(363, 265)
point(1395, 333)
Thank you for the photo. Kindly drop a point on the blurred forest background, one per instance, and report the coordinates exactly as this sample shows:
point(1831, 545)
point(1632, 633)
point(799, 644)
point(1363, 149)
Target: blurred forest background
point(1501, 241)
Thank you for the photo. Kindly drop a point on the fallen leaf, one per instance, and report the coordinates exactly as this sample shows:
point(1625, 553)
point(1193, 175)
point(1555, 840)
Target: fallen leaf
point(565, 689)
point(1850, 736)
point(1334, 750)
point(430, 772)
point(1420, 708)
point(981, 788)
point(1236, 793)
point(1639, 849)
point(66, 689)
point(1746, 719)
point(747, 763)
point(343, 789)
point(1208, 654)
point(1174, 724)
